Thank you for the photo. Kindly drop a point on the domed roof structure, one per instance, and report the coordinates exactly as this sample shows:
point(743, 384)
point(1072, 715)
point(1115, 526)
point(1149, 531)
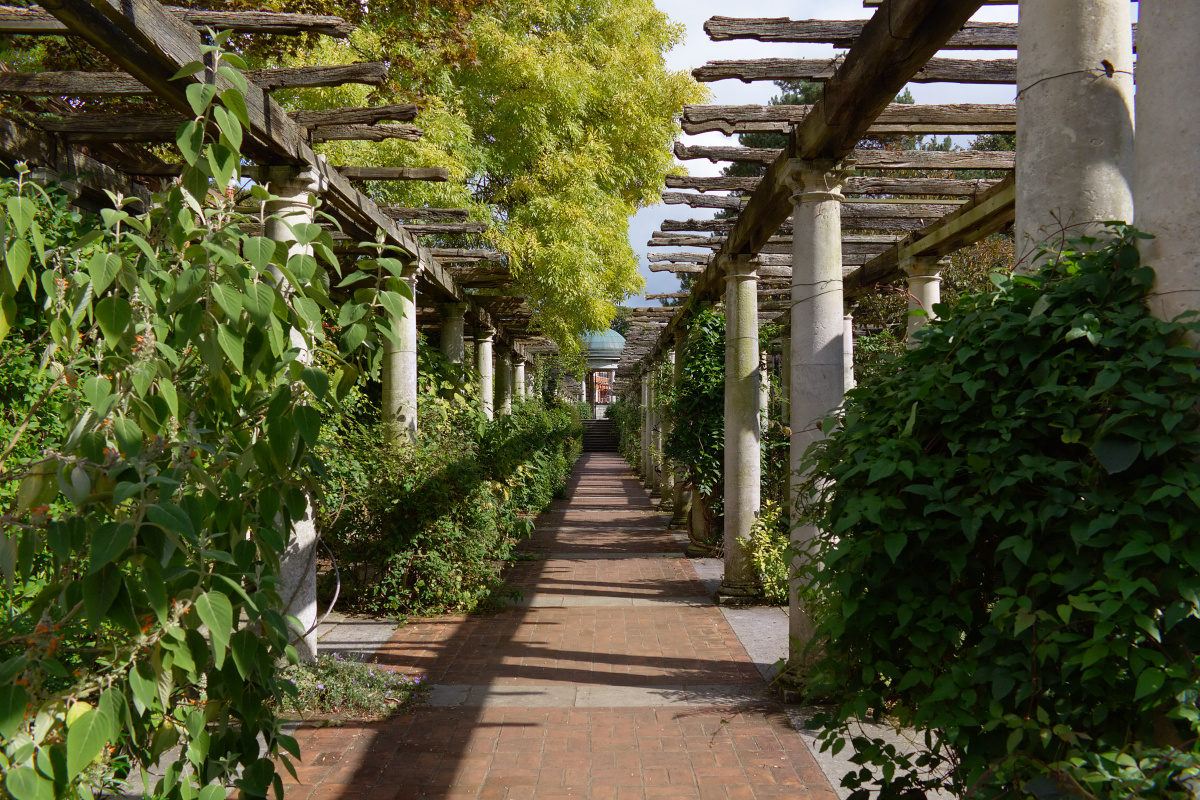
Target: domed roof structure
point(603, 349)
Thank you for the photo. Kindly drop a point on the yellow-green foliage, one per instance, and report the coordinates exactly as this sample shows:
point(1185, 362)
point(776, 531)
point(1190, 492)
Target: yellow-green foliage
point(558, 130)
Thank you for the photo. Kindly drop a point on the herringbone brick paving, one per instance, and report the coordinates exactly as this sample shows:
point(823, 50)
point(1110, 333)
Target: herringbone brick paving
point(669, 746)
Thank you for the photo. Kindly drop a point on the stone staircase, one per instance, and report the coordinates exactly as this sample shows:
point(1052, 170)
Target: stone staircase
point(600, 436)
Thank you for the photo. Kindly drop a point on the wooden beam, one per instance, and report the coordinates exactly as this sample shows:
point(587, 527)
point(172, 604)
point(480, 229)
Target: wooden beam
point(104, 84)
point(864, 159)
point(936, 70)
point(867, 218)
point(365, 133)
point(766, 259)
point(437, 174)
point(897, 118)
point(431, 214)
point(442, 228)
point(920, 208)
point(35, 21)
point(944, 187)
point(460, 254)
point(352, 115)
point(987, 214)
point(843, 33)
point(849, 241)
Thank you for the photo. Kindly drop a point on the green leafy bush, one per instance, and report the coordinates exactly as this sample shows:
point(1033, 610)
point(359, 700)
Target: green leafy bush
point(626, 414)
point(349, 686)
point(1012, 556)
point(768, 550)
point(148, 503)
point(423, 528)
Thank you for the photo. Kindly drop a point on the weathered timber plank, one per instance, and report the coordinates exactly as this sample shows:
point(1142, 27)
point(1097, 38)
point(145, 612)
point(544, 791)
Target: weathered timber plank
point(864, 159)
point(370, 73)
point(936, 70)
point(987, 214)
point(842, 33)
point(849, 241)
point(897, 118)
point(460, 254)
point(395, 173)
point(850, 221)
point(103, 84)
point(83, 176)
point(35, 21)
point(919, 208)
point(767, 259)
point(446, 227)
point(397, 112)
point(946, 187)
point(432, 214)
point(366, 133)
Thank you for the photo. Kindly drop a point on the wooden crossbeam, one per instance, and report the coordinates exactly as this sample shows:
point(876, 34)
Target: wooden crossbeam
point(104, 84)
point(431, 214)
point(897, 118)
point(864, 159)
point(98, 127)
point(843, 33)
point(853, 257)
point(987, 214)
point(945, 187)
point(35, 21)
point(438, 174)
point(463, 255)
point(920, 208)
point(867, 219)
point(442, 228)
point(851, 243)
point(365, 133)
point(936, 70)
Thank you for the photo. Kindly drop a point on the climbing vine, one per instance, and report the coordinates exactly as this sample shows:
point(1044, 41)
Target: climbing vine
point(1011, 560)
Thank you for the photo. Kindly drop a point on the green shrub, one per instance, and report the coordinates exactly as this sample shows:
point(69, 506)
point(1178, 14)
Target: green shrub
point(349, 686)
point(1012, 556)
point(423, 528)
point(626, 414)
point(768, 551)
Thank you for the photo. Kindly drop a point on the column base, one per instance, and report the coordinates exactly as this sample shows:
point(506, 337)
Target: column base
point(733, 595)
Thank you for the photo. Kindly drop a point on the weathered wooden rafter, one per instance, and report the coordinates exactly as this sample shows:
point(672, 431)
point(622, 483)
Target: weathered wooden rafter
point(99, 127)
point(987, 214)
point(430, 214)
point(869, 218)
point(767, 259)
point(945, 187)
point(103, 84)
point(444, 228)
point(843, 33)
point(920, 208)
point(465, 255)
point(936, 70)
point(35, 21)
point(897, 118)
point(863, 159)
point(394, 173)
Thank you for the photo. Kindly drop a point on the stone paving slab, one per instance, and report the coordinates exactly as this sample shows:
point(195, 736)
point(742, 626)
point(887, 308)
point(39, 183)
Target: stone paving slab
point(550, 600)
point(567, 696)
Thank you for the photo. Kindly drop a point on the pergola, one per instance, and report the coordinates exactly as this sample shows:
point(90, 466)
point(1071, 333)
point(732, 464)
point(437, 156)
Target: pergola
point(802, 242)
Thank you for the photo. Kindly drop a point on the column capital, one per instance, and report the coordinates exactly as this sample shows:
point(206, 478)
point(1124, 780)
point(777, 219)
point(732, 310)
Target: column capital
point(924, 266)
point(817, 178)
point(484, 333)
point(453, 309)
point(743, 266)
point(288, 180)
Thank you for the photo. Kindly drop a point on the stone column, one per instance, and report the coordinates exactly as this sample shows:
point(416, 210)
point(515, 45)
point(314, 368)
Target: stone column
point(655, 435)
point(682, 500)
point(518, 379)
point(503, 382)
point(1074, 118)
point(666, 476)
point(764, 390)
point(399, 401)
point(298, 562)
point(484, 368)
point(644, 381)
point(453, 345)
point(785, 405)
point(924, 289)
point(848, 352)
point(818, 371)
point(743, 450)
point(590, 383)
point(1167, 152)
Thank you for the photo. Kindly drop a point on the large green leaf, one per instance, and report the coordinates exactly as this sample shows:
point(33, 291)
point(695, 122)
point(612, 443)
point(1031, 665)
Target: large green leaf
point(108, 542)
point(308, 422)
point(216, 612)
point(14, 700)
point(86, 739)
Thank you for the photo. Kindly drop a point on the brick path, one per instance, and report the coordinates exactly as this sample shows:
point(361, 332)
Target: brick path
point(613, 677)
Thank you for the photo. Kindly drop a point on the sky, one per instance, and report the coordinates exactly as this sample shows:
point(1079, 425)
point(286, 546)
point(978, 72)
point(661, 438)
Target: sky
point(697, 50)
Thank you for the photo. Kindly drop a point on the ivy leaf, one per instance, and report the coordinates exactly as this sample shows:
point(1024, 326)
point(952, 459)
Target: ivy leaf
point(216, 612)
point(308, 422)
point(1116, 453)
point(1149, 682)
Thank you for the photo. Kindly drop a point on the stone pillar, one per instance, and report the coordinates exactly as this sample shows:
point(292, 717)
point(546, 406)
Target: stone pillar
point(503, 382)
point(818, 371)
point(484, 368)
point(924, 289)
point(743, 450)
point(399, 401)
point(848, 352)
point(453, 344)
point(666, 474)
point(764, 391)
point(590, 383)
point(298, 562)
point(1074, 118)
point(1167, 152)
point(518, 379)
point(644, 382)
point(785, 405)
point(651, 430)
point(682, 499)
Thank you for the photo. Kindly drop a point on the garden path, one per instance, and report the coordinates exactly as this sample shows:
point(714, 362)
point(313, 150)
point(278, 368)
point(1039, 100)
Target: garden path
point(614, 676)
